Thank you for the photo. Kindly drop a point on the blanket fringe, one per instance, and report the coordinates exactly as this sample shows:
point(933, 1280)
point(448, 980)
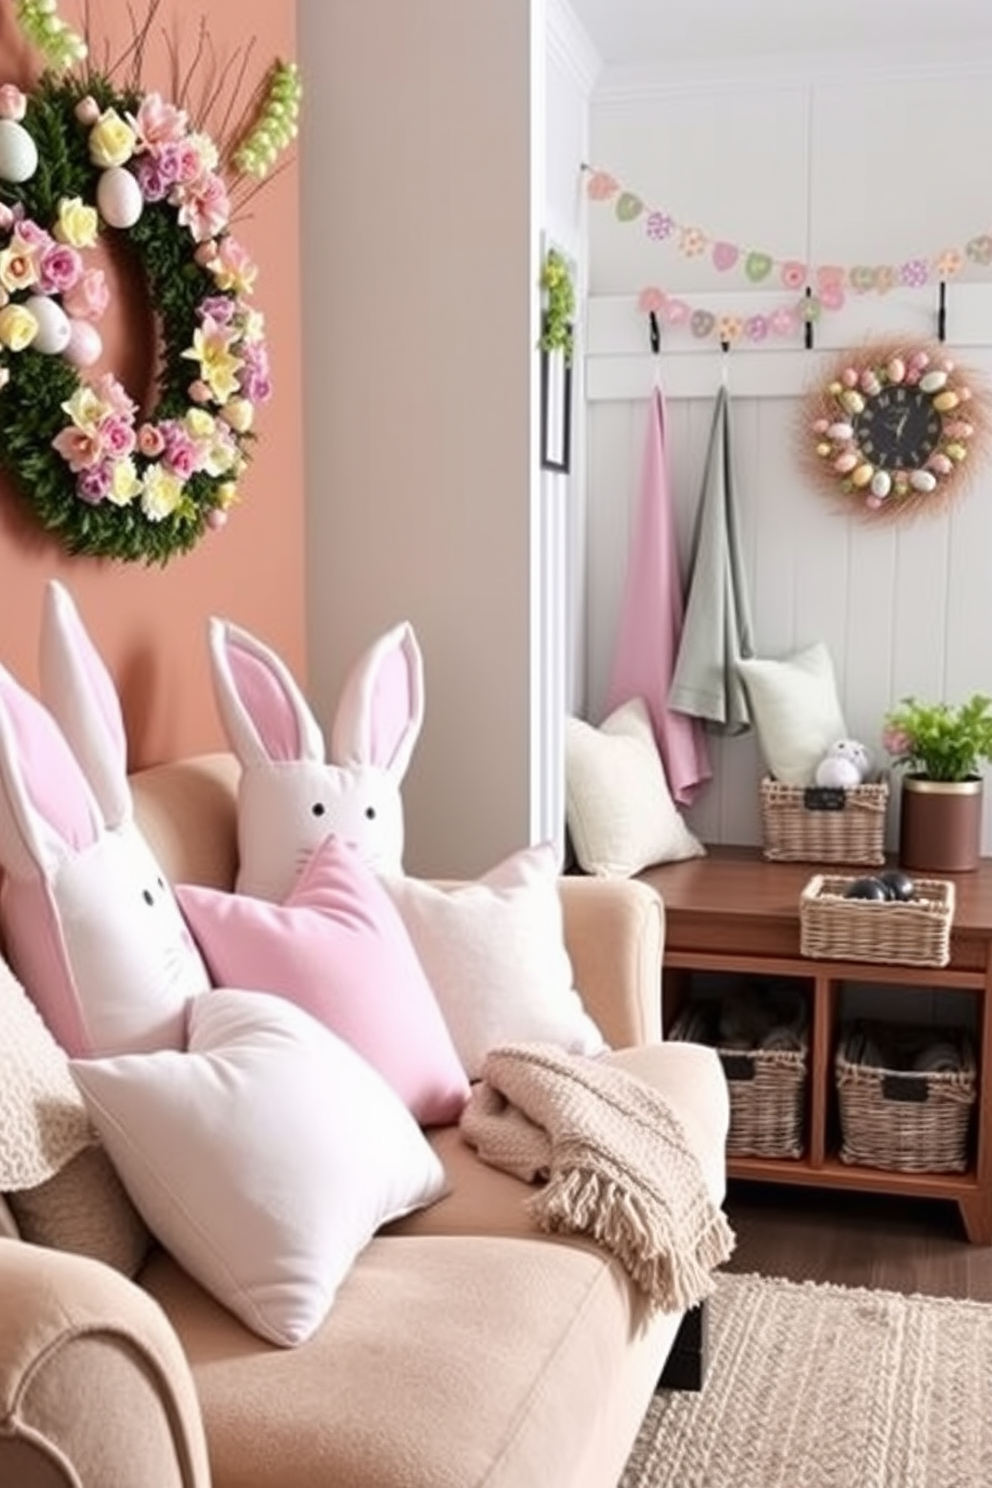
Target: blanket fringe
point(579, 1200)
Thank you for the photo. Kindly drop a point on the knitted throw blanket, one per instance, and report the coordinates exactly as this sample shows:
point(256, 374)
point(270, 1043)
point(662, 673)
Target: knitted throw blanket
point(614, 1163)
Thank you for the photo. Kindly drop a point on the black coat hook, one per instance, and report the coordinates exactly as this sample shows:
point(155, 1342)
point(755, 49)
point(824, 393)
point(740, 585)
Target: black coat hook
point(808, 325)
point(942, 312)
point(655, 331)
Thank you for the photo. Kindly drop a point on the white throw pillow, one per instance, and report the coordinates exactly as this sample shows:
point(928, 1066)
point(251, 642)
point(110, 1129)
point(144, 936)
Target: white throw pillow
point(797, 712)
point(494, 953)
point(620, 812)
point(264, 1158)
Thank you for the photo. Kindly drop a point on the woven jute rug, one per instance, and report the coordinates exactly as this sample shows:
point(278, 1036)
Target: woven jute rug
point(813, 1386)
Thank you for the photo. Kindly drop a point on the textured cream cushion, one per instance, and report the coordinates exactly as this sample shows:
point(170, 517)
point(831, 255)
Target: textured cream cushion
point(43, 1122)
point(264, 1158)
point(796, 711)
point(60, 1186)
point(494, 953)
point(621, 816)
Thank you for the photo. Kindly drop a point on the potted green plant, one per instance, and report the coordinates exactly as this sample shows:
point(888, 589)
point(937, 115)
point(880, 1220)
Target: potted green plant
point(943, 749)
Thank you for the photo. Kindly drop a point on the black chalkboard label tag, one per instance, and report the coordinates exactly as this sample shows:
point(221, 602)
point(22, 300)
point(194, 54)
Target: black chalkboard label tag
point(904, 1088)
point(737, 1066)
point(824, 798)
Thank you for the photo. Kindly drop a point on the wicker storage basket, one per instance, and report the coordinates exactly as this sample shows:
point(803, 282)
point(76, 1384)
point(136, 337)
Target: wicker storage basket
point(767, 1086)
point(822, 824)
point(914, 932)
point(915, 1120)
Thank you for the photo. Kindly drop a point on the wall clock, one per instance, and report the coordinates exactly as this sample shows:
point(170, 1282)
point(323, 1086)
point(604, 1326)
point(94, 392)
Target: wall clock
point(895, 428)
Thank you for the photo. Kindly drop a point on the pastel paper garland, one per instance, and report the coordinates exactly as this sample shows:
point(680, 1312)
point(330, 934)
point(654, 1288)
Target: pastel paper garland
point(829, 284)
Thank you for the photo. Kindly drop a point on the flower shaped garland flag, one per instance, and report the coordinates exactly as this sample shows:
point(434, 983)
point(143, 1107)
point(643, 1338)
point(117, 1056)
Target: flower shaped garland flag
point(79, 159)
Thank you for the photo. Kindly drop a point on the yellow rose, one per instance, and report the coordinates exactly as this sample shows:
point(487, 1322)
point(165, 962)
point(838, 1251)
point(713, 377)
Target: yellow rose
point(124, 482)
point(200, 423)
point(161, 494)
point(78, 225)
point(111, 141)
point(238, 415)
point(18, 327)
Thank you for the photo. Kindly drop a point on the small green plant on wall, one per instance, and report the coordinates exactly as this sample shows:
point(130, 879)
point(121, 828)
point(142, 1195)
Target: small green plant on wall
point(559, 305)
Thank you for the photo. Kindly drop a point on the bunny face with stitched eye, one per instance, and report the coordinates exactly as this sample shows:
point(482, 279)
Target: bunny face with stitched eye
point(91, 926)
point(121, 929)
point(292, 793)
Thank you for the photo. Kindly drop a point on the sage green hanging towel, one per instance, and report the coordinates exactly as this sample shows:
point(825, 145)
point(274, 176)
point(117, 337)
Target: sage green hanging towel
point(716, 629)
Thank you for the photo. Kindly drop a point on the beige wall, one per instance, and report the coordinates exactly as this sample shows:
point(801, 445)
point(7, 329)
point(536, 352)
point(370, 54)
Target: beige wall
point(419, 272)
point(150, 623)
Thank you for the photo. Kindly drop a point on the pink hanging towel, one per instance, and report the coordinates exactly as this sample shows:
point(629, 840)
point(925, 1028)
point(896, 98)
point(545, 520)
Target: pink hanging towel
point(651, 622)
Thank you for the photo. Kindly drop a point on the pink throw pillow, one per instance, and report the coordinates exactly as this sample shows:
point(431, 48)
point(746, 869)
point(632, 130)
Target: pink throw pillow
point(338, 948)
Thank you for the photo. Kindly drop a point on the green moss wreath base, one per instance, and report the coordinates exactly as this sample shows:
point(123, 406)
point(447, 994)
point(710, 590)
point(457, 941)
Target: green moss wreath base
point(107, 478)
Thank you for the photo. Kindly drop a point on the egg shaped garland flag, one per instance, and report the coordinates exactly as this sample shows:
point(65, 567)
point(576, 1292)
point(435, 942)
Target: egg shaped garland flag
point(85, 166)
point(895, 428)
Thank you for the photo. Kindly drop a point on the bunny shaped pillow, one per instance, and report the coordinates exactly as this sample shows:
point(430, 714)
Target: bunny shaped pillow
point(291, 795)
point(91, 927)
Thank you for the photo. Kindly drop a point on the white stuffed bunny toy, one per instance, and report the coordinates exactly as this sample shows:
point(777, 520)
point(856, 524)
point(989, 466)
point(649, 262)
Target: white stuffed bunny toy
point(846, 763)
point(291, 795)
point(90, 924)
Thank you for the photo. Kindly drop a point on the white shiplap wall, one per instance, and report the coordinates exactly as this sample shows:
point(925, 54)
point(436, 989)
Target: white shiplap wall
point(839, 168)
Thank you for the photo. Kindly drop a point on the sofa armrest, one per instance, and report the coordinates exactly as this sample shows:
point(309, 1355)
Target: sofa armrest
point(614, 931)
point(94, 1385)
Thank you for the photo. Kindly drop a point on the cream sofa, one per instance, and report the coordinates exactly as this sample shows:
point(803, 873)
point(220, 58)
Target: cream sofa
point(463, 1349)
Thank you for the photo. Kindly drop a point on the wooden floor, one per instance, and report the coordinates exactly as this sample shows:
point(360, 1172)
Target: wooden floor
point(900, 1245)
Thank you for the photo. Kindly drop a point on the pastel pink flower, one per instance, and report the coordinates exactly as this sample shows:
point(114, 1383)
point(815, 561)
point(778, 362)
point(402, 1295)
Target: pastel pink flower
point(154, 182)
point(117, 435)
point(114, 396)
point(79, 449)
point(151, 442)
point(87, 110)
point(60, 269)
point(157, 122)
point(205, 207)
point(29, 232)
point(93, 485)
point(89, 297)
point(232, 267)
point(13, 103)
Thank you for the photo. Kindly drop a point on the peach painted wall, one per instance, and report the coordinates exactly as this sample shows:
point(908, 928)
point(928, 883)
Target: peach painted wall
point(150, 623)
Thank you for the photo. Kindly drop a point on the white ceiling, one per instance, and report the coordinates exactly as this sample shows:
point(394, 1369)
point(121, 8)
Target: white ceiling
point(698, 33)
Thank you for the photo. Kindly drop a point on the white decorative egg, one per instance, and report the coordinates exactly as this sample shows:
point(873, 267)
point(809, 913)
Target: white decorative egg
point(881, 484)
point(923, 480)
point(18, 152)
point(84, 345)
point(118, 197)
point(896, 370)
point(53, 325)
point(841, 433)
point(932, 382)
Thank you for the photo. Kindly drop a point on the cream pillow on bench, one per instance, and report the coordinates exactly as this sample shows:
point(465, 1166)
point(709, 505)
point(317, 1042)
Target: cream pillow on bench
point(620, 812)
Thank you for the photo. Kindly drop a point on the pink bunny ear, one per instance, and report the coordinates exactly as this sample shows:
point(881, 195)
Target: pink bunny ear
point(79, 691)
point(46, 808)
point(264, 713)
point(381, 711)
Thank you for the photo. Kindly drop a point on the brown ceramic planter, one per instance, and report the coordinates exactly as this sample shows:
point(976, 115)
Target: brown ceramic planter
point(940, 824)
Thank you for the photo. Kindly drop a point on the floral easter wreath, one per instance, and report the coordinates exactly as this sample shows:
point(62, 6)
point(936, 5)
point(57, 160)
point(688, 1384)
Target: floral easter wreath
point(80, 158)
point(895, 429)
